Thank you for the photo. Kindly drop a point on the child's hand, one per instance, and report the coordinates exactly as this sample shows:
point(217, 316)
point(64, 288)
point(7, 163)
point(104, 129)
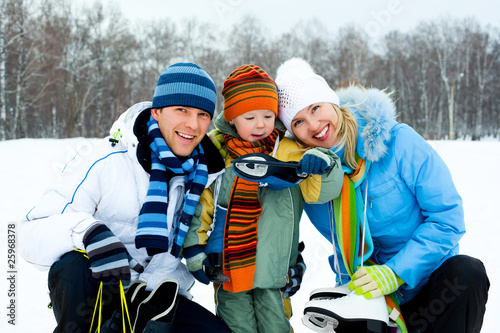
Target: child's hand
point(314, 162)
point(215, 274)
point(194, 260)
point(295, 275)
point(213, 268)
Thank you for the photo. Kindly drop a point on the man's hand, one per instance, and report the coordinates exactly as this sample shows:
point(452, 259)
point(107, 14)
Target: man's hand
point(109, 260)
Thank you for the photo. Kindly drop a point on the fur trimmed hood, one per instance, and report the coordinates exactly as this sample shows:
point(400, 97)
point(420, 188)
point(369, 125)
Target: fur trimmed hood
point(376, 114)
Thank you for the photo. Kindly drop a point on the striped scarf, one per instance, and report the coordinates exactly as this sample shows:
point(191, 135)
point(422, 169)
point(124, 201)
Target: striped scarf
point(349, 225)
point(153, 229)
point(240, 241)
point(349, 217)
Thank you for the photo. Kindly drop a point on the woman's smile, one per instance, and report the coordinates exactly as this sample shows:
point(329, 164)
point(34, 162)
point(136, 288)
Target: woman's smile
point(323, 134)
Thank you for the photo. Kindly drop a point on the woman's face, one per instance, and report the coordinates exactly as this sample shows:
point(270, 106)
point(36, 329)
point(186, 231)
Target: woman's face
point(315, 125)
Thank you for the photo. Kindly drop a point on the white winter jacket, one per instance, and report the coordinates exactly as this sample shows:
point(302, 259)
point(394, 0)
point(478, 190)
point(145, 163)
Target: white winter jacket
point(107, 185)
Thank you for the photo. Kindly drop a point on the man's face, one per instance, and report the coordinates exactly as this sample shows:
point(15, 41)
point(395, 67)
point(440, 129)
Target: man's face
point(182, 127)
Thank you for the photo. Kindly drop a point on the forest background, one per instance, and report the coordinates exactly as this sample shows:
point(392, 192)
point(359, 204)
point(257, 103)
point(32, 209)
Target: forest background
point(69, 70)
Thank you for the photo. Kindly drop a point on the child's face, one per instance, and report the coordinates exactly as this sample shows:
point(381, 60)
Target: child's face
point(254, 125)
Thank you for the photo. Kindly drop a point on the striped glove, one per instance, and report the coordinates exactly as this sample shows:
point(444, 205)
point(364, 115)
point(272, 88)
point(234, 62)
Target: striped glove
point(109, 259)
point(375, 281)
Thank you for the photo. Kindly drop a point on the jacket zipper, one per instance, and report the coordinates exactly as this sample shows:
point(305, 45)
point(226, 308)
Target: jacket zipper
point(293, 230)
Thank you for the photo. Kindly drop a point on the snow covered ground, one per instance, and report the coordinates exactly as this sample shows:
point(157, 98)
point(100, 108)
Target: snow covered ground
point(27, 166)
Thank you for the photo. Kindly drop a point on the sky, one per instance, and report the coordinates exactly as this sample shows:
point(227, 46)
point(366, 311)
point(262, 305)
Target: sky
point(376, 17)
point(29, 165)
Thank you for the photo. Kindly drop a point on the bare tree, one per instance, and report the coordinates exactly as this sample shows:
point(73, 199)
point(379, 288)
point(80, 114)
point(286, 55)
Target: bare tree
point(484, 58)
point(246, 41)
point(74, 70)
point(351, 53)
point(445, 41)
point(76, 60)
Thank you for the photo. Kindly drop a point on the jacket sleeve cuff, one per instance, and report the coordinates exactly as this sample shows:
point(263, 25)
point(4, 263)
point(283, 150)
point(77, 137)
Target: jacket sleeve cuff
point(80, 230)
point(192, 251)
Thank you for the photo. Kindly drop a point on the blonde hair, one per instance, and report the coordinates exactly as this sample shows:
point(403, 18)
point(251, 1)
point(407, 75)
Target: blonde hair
point(347, 132)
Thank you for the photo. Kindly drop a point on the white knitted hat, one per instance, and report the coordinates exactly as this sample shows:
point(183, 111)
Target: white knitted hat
point(299, 87)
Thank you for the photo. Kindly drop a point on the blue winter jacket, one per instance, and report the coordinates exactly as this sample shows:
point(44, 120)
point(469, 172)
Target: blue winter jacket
point(414, 212)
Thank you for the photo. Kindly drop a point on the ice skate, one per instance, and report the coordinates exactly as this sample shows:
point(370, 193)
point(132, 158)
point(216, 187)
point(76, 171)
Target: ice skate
point(329, 293)
point(350, 313)
point(134, 295)
point(265, 169)
point(156, 312)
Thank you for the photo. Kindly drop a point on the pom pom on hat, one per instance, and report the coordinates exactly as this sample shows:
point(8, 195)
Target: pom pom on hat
point(249, 88)
point(299, 87)
point(293, 66)
point(185, 84)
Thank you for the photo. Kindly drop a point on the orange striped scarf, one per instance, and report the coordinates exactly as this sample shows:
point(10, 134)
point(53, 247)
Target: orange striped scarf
point(240, 236)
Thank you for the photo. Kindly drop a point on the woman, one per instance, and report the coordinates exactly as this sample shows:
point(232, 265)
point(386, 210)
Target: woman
point(399, 192)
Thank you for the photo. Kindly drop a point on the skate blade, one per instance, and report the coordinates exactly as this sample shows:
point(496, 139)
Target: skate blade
point(319, 322)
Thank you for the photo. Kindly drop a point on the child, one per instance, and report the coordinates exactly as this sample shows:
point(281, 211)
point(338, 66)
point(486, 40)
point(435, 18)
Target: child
point(261, 231)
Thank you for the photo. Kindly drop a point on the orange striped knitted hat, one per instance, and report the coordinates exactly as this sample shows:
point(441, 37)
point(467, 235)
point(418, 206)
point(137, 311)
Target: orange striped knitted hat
point(249, 88)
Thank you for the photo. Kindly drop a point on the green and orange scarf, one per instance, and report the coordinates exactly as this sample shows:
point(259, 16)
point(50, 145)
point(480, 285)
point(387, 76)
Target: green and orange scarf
point(348, 217)
point(349, 225)
point(244, 209)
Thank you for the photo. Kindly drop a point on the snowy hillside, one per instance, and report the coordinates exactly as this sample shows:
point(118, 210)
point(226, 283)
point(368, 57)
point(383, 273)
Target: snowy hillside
point(28, 165)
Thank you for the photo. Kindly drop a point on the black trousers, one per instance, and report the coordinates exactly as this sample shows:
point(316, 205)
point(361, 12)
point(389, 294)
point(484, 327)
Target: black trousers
point(73, 294)
point(454, 300)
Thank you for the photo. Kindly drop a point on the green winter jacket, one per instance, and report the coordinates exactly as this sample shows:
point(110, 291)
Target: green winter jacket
point(278, 226)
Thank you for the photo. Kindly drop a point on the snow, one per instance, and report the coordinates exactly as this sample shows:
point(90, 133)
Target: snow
point(29, 165)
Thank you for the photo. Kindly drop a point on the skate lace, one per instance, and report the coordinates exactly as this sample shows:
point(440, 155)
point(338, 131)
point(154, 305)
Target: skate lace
point(335, 255)
point(364, 221)
point(98, 304)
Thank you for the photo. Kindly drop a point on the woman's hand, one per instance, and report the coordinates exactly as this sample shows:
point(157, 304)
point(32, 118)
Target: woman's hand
point(314, 162)
point(375, 281)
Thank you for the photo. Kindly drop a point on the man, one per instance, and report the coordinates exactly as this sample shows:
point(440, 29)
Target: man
point(121, 213)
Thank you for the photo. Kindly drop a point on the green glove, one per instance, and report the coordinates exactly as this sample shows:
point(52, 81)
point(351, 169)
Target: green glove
point(217, 139)
point(375, 281)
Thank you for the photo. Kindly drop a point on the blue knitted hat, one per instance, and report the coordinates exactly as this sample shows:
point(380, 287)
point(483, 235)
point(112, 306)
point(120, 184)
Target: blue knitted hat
point(185, 84)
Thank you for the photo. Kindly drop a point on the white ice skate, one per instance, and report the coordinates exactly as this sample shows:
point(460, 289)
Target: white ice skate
point(329, 293)
point(351, 313)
